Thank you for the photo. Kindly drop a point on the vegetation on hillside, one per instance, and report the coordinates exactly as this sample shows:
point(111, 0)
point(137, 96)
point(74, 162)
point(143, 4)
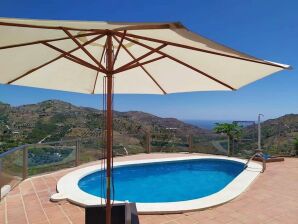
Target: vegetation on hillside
point(278, 135)
point(55, 120)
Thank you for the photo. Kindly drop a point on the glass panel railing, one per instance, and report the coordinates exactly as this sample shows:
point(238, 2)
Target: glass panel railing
point(11, 167)
point(244, 148)
point(169, 143)
point(91, 149)
point(273, 147)
point(129, 144)
point(287, 146)
point(47, 157)
point(210, 144)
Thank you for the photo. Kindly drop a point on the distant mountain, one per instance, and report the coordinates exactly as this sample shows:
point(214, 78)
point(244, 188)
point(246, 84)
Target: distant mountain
point(54, 120)
point(155, 123)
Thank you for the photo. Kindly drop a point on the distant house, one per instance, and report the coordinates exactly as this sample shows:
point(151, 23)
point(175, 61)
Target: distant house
point(171, 128)
point(42, 115)
point(24, 125)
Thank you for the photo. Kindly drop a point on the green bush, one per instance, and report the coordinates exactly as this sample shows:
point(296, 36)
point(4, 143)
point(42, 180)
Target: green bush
point(40, 131)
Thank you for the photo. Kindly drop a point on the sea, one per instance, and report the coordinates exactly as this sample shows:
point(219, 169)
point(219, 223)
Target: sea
point(206, 124)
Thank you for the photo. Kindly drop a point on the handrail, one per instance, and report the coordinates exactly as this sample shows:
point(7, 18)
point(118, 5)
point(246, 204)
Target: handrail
point(65, 141)
point(260, 154)
point(124, 149)
point(17, 148)
point(13, 150)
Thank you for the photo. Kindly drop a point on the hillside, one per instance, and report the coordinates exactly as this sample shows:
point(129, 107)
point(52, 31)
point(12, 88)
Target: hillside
point(155, 123)
point(55, 120)
point(279, 135)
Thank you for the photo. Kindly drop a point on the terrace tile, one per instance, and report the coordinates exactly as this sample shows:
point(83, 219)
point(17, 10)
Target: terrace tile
point(272, 198)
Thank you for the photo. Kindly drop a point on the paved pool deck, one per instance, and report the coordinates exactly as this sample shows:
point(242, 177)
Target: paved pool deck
point(272, 198)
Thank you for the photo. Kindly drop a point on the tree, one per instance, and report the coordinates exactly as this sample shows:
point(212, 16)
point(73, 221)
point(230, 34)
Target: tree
point(232, 130)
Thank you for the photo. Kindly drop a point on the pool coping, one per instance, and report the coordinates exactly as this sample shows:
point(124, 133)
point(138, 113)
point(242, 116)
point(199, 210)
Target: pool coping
point(68, 188)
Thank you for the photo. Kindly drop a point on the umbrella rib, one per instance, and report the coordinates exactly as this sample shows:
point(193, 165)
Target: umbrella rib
point(183, 63)
point(101, 57)
point(138, 64)
point(48, 40)
point(55, 59)
point(128, 27)
point(142, 67)
point(76, 59)
point(141, 57)
point(83, 49)
point(48, 27)
point(95, 82)
point(150, 26)
point(103, 52)
point(119, 47)
point(201, 50)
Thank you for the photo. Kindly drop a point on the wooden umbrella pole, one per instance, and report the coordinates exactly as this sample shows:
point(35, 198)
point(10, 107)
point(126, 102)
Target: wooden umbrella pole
point(109, 124)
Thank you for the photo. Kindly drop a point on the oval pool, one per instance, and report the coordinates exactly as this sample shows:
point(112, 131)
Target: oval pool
point(167, 181)
point(167, 185)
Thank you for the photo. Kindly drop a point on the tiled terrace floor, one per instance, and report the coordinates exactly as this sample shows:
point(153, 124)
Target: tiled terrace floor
point(272, 198)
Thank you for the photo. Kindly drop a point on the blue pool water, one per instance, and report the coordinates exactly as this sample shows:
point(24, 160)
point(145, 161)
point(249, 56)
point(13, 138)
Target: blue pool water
point(166, 181)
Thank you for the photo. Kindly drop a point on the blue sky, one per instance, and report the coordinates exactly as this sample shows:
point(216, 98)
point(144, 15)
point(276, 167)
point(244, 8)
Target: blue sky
point(267, 29)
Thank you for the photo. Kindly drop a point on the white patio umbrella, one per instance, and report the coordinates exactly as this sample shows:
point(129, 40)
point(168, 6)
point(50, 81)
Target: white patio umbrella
point(151, 58)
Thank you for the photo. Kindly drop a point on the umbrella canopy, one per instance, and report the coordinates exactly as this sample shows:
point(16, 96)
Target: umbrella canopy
point(103, 57)
point(154, 58)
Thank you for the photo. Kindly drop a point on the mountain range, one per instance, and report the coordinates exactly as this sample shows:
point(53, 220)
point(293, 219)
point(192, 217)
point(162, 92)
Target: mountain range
point(55, 120)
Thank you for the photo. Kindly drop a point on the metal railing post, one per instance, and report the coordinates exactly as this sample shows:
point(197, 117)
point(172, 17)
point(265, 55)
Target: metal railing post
point(0, 177)
point(148, 136)
point(190, 143)
point(25, 162)
point(229, 147)
point(77, 159)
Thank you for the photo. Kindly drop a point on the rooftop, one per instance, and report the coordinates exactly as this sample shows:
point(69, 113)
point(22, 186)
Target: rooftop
point(272, 198)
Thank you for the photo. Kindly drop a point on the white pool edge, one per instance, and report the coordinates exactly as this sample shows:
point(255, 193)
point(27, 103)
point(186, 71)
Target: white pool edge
point(68, 188)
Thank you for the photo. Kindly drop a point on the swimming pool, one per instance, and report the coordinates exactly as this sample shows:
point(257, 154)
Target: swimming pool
point(167, 185)
point(166, 181)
